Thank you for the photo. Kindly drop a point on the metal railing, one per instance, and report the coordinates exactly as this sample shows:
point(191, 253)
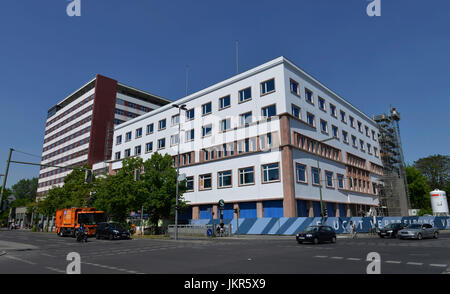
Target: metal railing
point(200, 230)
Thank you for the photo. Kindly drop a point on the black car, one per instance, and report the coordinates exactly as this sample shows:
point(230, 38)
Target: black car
point(391, 230)
point(111, 231)
point(316, 234)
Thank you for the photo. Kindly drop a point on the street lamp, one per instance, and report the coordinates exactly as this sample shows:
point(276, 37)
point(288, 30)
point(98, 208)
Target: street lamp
point(320, 183)
point(180, 107)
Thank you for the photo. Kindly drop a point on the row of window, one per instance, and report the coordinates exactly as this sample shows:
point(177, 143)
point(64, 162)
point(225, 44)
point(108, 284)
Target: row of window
point(76, 106)
point(55, 172)
point(68, 129)
point(311, 120)
point(309, 97)
point(246, 176)
point(68, 138)
point(70, 119)
point(132, 105)
point(332, 181)
point(65, 149)
point(66, 158)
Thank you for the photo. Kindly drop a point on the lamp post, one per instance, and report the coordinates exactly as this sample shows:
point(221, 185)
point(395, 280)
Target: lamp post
point(320, 183)
point(180, 107)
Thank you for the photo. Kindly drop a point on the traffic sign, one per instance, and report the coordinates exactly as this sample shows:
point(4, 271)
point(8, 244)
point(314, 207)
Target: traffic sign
point(221, 203)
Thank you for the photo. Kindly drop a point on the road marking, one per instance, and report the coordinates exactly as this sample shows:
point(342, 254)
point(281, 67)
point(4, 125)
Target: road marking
point(20, 259)
point(337, 257)
point(393, 261)
point(321, 256)
point(438, 265)
point(112, 268)
point(414, 263)
point(55, 269)
point(353, 258)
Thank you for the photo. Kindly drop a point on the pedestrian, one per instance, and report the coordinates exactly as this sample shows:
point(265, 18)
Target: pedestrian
point(353, 229)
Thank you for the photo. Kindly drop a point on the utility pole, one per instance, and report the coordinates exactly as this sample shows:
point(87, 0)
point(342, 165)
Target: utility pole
point(5, 178)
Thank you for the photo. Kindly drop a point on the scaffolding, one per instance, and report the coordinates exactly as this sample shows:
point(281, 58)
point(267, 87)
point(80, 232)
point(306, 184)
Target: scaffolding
point(394, 198)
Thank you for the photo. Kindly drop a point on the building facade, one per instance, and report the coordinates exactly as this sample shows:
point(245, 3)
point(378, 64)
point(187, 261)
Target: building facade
point(254, 140)
point(79, 129)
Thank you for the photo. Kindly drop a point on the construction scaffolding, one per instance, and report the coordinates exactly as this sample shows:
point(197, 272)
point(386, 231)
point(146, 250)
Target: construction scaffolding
point(394, 198)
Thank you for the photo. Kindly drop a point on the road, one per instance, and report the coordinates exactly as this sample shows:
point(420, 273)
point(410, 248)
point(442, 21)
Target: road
point(27, 252)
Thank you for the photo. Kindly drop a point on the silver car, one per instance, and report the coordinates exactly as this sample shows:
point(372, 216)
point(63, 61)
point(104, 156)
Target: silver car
point(418, 231)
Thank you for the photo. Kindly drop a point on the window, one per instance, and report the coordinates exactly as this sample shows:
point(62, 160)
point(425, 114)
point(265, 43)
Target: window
point(149, 147)
point(343, 117)
point(246, 118)
point(354, 141)
point(175, 119)
point(269, 111)
point(225, 179)
point(323, 126)
point(309, 96)
point(225, 124)
point(361, 144)
point(369, 148)
point(117, 157)
point(359, 126)
point(128, 136)
point(127, 153)
point(190, 114)
point(174, 139)
point(162, 124)
point(205, 182)
point(375, 150)
point(139, 133)
point(295, 88)
point(189, 184)
point(367, 131)
point(373, 135)
point(333, 110)
point(352, 121)
point(224, 102)
point(335, 131)
point(246, 176)
point(322, 104)
point(315, 176)
point(137, 150)
point(300, 170)
point(340, 180)
point(190, 135)
point(295, 111)
point(345, 136)
point(149, 129)
point(162, 143)
point(329, 178)
point(310, 119)
point(268, 87)
point(206, 108)
point(271, 172)
point(206, 130)
point(119, 140)
point(245, 95)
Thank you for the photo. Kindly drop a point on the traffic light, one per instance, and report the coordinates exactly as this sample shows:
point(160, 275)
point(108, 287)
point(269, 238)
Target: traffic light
point(88, 176)
point(325, 212)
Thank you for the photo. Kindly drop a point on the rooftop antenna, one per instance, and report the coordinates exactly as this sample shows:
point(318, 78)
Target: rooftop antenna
point(237, 56)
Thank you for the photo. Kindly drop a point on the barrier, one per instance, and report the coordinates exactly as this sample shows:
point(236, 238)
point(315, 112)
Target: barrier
point(291, 226)
point(198, 229)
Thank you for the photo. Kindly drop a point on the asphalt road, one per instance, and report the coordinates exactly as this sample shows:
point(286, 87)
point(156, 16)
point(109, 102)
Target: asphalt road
point(44, 253)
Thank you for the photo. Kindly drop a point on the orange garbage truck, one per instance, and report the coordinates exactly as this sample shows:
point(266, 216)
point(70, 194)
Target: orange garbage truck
point(68, 220)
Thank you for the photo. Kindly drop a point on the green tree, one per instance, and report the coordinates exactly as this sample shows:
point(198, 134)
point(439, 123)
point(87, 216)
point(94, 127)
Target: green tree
point(436, 169)
point(25, 189)
point(120, 194)
point(418, 188)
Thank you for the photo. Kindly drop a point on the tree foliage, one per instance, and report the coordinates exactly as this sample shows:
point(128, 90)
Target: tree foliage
point(436, 169)
point(419, 191)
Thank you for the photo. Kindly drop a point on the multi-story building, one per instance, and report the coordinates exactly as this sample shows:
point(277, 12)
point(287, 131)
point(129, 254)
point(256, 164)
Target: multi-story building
point(254, 140)
point(79, 129)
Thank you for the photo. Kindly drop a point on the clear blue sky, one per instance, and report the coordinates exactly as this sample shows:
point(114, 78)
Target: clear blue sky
point(401, 58)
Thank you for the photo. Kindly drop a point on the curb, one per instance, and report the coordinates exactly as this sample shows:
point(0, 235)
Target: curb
point(2, 253)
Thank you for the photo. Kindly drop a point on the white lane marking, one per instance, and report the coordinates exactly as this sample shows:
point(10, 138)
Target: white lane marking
point(112, 268)
point(337, 257)
point(414, 263)
point(55, 269)
point(393, 261)
point(20, 259)
point(321, 256)
point(353, 258)
point(438, 265)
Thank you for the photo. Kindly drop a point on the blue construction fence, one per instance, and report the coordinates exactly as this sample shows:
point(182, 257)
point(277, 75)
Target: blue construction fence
point(294, 225)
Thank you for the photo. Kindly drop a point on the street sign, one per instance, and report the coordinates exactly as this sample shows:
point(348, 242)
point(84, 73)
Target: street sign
point(221, 203)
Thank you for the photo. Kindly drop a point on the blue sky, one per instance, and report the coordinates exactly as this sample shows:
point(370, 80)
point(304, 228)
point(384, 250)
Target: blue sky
point(400, 58)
